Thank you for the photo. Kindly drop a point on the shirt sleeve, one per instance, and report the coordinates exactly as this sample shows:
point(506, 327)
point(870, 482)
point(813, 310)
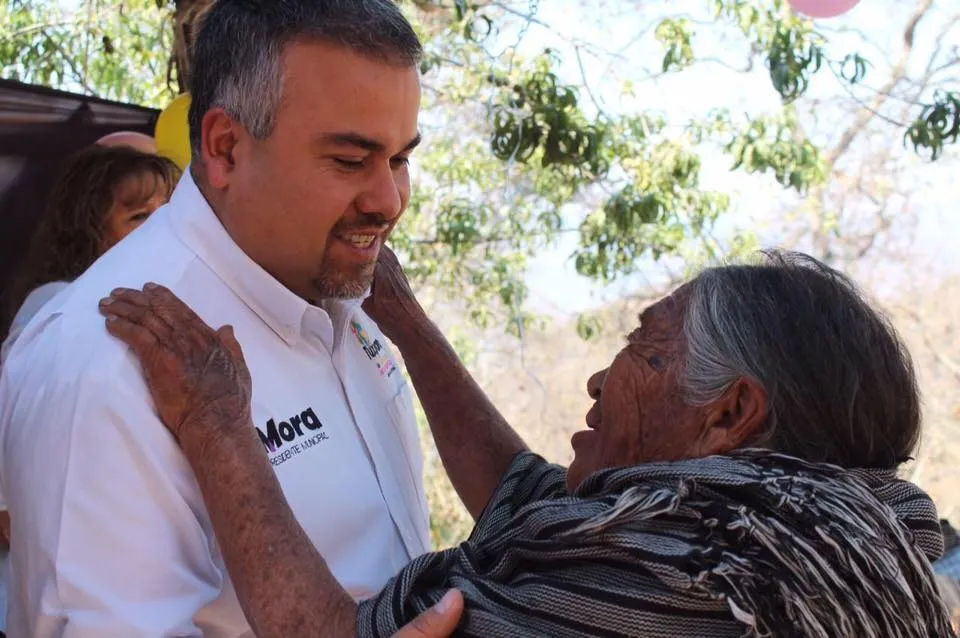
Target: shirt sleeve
point(421, 584)
point(110, 537)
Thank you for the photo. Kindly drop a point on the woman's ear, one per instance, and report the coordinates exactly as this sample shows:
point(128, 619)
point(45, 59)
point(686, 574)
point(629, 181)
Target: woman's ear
point(735, 418)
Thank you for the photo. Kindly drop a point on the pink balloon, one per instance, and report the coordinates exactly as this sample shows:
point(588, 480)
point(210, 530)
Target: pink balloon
point(823, 8)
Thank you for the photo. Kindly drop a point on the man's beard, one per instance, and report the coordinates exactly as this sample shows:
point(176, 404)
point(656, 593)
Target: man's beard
point(334, 283)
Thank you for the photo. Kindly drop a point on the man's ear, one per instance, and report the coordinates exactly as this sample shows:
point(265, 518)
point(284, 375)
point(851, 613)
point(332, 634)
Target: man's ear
point(734, 419)
point(219, 138)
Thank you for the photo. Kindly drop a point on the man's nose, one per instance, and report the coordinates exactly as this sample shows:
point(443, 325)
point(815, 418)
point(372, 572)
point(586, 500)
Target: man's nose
point(383, 194)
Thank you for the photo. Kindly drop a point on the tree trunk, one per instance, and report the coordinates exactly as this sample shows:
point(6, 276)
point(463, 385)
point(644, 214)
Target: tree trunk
point(186, 21)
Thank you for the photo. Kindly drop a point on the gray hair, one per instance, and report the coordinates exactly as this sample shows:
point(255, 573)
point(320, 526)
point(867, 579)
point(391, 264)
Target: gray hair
point(237, 57)
point(840, 383)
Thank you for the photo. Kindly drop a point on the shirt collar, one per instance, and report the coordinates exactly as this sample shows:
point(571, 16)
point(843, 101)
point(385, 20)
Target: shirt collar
point(198, 226)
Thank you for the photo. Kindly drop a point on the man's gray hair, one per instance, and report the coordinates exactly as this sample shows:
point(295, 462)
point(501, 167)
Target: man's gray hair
point(237, 57)
point(840, 383)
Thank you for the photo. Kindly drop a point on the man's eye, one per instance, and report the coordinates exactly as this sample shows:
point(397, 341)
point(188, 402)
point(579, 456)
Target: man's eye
point(139, 217)
point(655, 362)
point(401, 161)
point(349, 163)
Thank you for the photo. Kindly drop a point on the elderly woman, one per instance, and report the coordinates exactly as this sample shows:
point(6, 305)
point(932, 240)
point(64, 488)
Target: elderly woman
point(737, 477)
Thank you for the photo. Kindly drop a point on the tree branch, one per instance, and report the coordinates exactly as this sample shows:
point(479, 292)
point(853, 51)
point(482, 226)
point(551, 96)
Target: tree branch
point(493, 239)
point(865, 115)
point(81, 77)
point(34, 28)
point(898, 74)
point(586, 84)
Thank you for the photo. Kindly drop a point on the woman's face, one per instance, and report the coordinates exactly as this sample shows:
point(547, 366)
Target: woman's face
point(134, 199)
point(640, 415)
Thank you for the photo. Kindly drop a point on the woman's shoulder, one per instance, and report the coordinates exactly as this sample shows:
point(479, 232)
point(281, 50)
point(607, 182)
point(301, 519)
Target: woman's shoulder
point(36, 300)
point(38, 297)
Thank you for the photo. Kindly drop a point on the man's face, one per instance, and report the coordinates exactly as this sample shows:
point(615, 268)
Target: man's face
point(315, 201)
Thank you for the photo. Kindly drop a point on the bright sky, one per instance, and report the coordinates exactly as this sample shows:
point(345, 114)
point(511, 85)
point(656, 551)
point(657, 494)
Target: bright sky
point(553, 280)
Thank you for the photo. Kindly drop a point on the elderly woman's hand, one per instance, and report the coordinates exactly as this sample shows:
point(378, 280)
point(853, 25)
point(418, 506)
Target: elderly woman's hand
point(197, 375)
point(392, 303)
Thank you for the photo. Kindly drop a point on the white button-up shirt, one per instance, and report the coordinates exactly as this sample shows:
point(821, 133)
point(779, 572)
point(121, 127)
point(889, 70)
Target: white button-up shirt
point(110, 537)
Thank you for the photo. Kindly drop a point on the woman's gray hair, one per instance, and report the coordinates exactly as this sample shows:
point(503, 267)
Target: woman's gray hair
point(840, 383)
point(237, 57)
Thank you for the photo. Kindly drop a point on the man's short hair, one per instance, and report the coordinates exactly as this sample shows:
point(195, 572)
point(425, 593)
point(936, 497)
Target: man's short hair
point(237, 55)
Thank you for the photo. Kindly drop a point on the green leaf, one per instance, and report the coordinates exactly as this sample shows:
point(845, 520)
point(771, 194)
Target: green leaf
point(589, 327)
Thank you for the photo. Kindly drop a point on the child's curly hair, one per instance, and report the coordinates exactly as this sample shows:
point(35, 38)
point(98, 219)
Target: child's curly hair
point(72, 233)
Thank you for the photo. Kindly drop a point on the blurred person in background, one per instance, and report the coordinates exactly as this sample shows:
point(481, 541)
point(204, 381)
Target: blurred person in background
point(949, 564)
point(104, 194)
point(948, 571)
point(129, 139)
point(119, 185)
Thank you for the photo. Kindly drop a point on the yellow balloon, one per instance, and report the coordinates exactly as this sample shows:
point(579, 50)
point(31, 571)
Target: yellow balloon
point(172, 132)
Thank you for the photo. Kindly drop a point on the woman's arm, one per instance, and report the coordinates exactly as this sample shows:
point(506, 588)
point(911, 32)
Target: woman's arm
point(283, 583)
point(475, 442)
point(202, 391)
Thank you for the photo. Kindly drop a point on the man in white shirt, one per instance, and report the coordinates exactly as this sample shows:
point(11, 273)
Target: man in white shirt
point(303, 117)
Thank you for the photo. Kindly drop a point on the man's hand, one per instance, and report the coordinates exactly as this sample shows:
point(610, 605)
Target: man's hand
point(437, 622)
point(197, 375)
point(391, 303)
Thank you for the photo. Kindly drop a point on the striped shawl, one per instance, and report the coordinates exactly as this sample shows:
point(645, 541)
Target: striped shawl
point(750, 544)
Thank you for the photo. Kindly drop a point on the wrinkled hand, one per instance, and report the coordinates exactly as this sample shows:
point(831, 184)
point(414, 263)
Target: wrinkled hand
point(437, 622)
point(197, 375)
point(391, 303)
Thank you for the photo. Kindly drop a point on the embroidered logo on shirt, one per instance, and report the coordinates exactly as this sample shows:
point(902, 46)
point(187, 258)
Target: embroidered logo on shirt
point(374, 350)
point(293, 430)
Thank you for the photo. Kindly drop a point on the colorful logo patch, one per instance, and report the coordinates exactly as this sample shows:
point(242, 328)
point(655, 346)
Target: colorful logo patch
point(374, 350)
point(360, 334)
